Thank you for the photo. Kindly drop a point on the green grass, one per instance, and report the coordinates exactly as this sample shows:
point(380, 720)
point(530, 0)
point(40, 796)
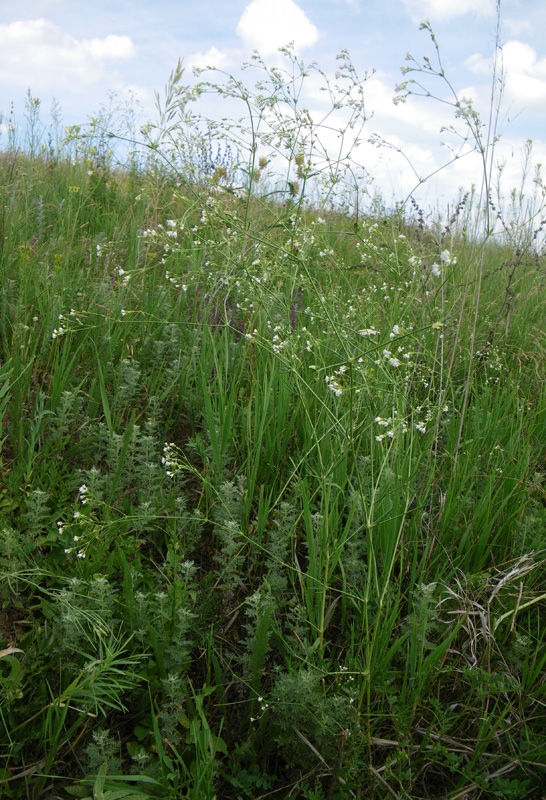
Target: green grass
point(272, 501)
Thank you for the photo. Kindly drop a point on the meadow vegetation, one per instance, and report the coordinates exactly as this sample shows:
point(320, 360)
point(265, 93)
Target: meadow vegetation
point(272, 499)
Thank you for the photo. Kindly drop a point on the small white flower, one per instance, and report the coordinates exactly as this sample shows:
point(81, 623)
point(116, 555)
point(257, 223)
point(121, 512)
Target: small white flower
point(436, 271)
point(333, 385)
point(447, 259)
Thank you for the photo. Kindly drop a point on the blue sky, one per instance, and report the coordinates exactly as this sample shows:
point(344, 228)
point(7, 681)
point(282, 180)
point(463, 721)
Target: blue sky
point(78, 52)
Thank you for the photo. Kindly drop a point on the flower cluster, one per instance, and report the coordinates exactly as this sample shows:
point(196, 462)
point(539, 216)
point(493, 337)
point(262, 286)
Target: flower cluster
point(396, 425)
point(388, 423)
point(125, 277)
point(170, 460)
point(64, 326)
point(333, 385)
point(446, 260)
point(174, 282)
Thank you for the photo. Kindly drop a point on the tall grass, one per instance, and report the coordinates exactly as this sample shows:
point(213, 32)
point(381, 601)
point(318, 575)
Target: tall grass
point(272, 480)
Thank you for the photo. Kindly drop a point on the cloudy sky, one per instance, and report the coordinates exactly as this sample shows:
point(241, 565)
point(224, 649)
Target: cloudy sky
point(79, 52)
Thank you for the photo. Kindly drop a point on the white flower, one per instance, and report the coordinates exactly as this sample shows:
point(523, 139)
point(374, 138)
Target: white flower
point(394, 362)
point(333, 385)
point(436, 271)
point(447, 259)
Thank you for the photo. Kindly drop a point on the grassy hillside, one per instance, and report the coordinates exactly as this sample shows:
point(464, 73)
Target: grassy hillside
point(272, 495)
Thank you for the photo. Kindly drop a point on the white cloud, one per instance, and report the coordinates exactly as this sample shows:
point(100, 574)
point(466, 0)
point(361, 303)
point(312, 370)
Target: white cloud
point(522, 57)
point(266, 25)
point(518, 26)
point(212, 58)
point(525, 73)
point(478, 64)
point(441, 10)
point(112, 48)
point(38, 53)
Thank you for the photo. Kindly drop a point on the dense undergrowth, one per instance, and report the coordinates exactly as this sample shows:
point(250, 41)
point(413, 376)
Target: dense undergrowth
point(272, 494)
